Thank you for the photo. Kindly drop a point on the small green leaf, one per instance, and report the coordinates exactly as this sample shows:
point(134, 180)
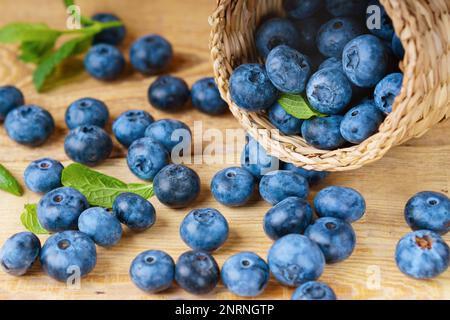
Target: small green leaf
point(296, 106)
point(24, 32)
point(30, 220)
point(98, 188)
point(8, 183)
point(36, 51)
point(69, 3)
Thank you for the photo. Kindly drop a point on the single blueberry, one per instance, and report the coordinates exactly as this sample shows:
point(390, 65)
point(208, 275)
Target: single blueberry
point(313, 177)
point(245, 274)
point(113, 36)
point(361, 122)
point(340, 202)
point(19, 253)
point(422, 254)
point(134, 211)
point(151, 54)
point(340, 8)
point(204, 229)
point(146, 158)
point(384, 30)
point(397, 47)
point(168, 93)
point(313, 290)
point(10, 98)
point(29, 125)
point(131, 125)
point(335, 237)
point(152, 271)
point(283, 121)
point(333, 63)
point(88, 145)
point(68, 254)
point(43, 175)
point(295, 259)
point(281, 184)
point(248, 79)
point(85, 112)
point(104, 62)
point(323, 133)
point(291, 215)
point(59, 209)
point(288, 69)
point(428, 210)
point(233, 187)
point(275, 32)
point(307, 30)
point(256, 160)
point(176, 186)
point(301, 9)
point(329, 91)
point(170, 133)
point(365, 60)
point(387, 90)
point(197, 272)
point(206, 97)
point(101, 226)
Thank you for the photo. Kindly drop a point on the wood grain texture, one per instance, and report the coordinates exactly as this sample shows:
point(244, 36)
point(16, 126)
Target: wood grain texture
point(422, 164)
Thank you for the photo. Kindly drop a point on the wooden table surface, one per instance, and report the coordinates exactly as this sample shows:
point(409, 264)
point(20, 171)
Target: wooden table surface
point(370, 273)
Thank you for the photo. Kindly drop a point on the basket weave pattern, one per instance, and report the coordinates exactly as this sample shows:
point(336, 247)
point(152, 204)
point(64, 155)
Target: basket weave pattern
point(424, 29)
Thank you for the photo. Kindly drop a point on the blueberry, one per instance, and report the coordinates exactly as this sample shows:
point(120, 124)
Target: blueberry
point(146, 158)
point(59, 209)
point(333, 63)
point(151, 54)
point(168, 93)
point(365, 60)
point(104, 62)
point(397, 47)
point(170, 133)
point(176, 186)
point(43, 175)
point(275, 32)
point(131, 125)
point(346, 7)
point(288, 69)
point(329, 91)
point(233, 187)
point(204, 229)
point(281, 184)
point(206, 97)
point(387, 90)
point(422, 254)
point(255, 159)
point(245, 274)
point(335, 34)
point(248, 79)
point(335, 238)
point(19, 253)
point(386, 30)
point(429, 211)
point(340, 202)
point(291, 215)
point(283, 121)
point(86, 112)
point(197, 272)
point(101, 226)
point(10, 98)
point(301, 9)
point(361, 122)
point(88, 145)
point(323, 133)
point(307, 30)
point(68, 254)
point(153, 271)
point(29, 125)
point(113, 36)
point(313, 177)
point(295, 259)
point(134, 211)
point(314, 290)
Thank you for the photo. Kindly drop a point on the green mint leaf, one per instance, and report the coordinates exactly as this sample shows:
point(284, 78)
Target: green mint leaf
point(36, 51)
point(23, 32)
point(296, 106)
point(8, 183)
point(69, 3)
point(98, 188)
point(30, 220)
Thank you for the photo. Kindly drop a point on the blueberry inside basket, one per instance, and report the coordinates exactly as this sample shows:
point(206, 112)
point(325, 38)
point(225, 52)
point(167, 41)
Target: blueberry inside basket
point(423, 27)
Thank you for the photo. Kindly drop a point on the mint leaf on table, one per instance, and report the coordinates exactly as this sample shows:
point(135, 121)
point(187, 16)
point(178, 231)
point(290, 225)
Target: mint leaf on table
point(25, 32)
point(98, 188)
point(8, 183)
point(30, 220)
point(36, 51)
point(296, 106)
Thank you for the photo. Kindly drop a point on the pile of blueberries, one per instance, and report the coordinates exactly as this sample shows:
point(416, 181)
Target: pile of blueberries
point(346, 72)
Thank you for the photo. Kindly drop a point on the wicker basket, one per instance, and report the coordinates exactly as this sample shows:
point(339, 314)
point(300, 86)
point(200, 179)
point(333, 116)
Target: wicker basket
point(424, 29)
